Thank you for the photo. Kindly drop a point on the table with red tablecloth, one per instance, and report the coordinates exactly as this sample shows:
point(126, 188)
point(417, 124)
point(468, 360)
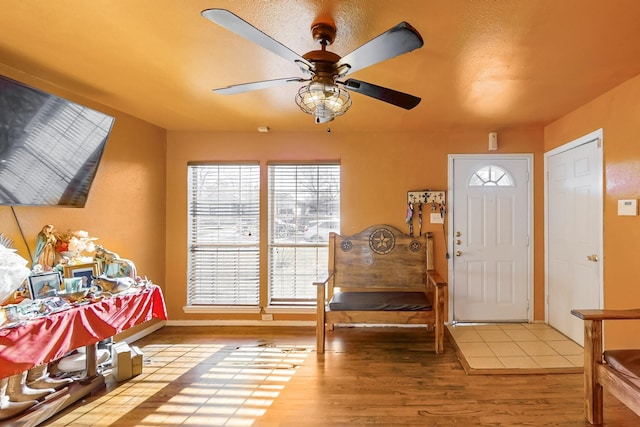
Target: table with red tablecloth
point(45, 339)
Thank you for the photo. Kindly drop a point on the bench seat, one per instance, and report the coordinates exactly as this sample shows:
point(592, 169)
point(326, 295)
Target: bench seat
point(626, 362)
point(380, 301)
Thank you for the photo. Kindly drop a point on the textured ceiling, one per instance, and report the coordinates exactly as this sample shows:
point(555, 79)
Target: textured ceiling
point(485, 64)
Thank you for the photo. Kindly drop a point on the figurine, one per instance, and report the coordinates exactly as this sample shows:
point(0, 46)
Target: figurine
point(45, 253)
point(111, 265)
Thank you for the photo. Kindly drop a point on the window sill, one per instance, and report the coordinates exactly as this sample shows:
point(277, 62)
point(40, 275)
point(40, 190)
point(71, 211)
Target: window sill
point(283, 309)
point(219, 309)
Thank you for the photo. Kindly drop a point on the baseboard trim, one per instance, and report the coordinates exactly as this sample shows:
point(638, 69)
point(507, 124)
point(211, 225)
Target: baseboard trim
point(144, 332)
point(268, 323)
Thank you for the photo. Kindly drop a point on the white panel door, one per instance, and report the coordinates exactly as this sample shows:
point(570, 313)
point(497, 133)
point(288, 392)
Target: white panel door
point(490, 231)
point(574, 223)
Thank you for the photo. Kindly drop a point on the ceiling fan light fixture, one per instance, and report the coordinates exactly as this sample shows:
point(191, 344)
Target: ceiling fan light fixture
point(323, 101)
point(322, 98)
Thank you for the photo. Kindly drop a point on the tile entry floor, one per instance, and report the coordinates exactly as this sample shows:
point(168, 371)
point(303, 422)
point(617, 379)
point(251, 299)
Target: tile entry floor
point(515, 348)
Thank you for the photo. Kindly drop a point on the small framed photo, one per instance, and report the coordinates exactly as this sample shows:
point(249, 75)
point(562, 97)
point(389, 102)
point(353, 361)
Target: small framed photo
point(84, 271)
point(72, 284)
point(44, 285)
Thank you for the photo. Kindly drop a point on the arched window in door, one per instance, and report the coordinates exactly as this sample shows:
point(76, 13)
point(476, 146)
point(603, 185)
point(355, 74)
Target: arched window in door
point(491, 176)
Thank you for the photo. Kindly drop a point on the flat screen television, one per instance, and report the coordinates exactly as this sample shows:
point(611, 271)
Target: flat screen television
point(50, 147)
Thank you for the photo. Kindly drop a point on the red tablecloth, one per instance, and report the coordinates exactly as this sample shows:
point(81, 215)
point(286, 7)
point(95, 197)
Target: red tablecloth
point(45, 339)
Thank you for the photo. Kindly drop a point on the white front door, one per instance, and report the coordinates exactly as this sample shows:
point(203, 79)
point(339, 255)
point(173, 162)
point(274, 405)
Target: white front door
point(490, 231)
point(573, 232)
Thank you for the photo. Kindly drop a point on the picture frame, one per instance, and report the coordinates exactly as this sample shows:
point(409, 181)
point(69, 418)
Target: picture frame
point(72, 284)
point(42, 285)
point(85, 271)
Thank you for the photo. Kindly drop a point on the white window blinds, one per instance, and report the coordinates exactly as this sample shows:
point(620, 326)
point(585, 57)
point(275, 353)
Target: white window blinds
point(304, 206)
point(224, 234)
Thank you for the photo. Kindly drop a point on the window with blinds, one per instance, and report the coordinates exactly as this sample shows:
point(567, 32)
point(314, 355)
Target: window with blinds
point(304, 206)
point(224, 234)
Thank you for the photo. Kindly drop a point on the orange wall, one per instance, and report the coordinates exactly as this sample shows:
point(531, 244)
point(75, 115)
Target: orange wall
point(617, 112)
point(137, 206)
point(377, 171)
point(126, 205)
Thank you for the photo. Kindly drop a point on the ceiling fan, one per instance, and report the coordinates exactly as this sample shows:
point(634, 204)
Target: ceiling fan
point(326, 95)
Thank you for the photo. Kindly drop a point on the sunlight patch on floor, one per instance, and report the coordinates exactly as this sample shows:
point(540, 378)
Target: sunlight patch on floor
point(195, 385)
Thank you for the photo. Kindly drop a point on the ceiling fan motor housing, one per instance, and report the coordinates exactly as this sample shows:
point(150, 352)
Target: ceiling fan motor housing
point(324, 65)
point(324, 34)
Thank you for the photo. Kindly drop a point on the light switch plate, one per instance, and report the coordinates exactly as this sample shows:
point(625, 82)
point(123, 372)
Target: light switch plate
point(436, 218)
point(628, 207)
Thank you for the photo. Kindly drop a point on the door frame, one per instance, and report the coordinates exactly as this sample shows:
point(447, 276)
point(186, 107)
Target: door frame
point(592, 136)
point(450, 239)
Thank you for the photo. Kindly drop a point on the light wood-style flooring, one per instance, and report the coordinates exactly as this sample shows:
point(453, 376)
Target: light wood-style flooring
point(232, 376)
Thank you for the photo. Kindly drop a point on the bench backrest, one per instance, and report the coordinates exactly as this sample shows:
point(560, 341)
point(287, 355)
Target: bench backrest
point(381, 256)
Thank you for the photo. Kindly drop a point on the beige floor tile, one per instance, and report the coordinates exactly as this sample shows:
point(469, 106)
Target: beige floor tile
point(485, 326)
point(485, 363)
point(518, 362)
point(517, 345)
point(493, 335)
point(506, 349)
point(552, 361)
point(577, 361)
point(511, 326)
point(475, 349)
point(536, 326)
point(566, 348)
point(549, 335)
point(537, 348)
point(466, 335)
point(521, 335)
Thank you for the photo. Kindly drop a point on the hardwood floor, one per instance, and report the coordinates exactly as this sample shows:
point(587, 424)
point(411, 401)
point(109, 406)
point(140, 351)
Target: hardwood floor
point(230, 376)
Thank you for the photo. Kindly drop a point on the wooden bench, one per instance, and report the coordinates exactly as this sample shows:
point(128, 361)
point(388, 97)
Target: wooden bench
point(617, 371)
point(381, 276)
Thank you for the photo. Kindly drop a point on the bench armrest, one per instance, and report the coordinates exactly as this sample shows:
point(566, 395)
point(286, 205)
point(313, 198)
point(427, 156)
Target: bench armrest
point(607, 314)
point(322, 283)
point(435, 279)
point(439, 302)
point(320, 307)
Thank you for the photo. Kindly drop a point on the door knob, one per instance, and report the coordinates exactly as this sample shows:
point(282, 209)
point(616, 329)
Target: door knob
point(592, 258)
point(458, 242)
point(458, 234)
point(458, 253)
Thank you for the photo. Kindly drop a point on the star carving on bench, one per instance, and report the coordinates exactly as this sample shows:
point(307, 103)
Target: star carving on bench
point(382, 241)
point(346, 245)
point(415, 246)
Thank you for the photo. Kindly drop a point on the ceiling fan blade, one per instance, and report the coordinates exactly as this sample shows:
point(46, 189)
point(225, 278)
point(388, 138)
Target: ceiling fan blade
point(265, 84)
point(395, 41)
point(235, 24)
point(400, 99)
